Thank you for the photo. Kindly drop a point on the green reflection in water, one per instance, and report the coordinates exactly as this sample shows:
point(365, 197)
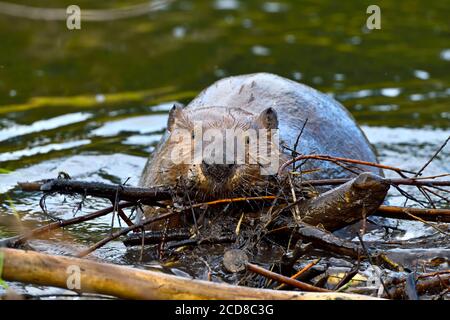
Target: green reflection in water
point(396, 76)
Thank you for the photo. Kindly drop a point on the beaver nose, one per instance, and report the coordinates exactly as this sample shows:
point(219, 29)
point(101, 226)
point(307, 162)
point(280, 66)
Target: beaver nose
point(218, 172)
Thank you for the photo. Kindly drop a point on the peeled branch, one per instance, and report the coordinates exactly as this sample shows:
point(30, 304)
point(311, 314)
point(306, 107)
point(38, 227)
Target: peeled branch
point(130, 283)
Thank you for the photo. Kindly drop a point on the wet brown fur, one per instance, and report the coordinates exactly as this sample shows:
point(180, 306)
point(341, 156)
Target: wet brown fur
point(246, 178)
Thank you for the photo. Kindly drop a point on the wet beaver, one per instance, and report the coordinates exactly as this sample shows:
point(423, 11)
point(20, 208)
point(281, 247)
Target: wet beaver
point(256, 101)
point(269, 107)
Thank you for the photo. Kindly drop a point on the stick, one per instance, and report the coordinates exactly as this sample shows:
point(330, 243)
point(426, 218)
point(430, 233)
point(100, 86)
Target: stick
point(160, 217)
point(299, 273)
point(396, 281)
point(327, 241)
point(137, 192)
point(197, 242)
point(441, 215)
point(334, 159)
point(236, 260)
point(156, 236)
point(18, 240)
point(130, 283)
point(433, 156)
point(320, 239)
point(406, 182)
point(124, 231)
point(149, 196)
point(425, 166)
point(283, 279)
point(229, 200)
point(434, 284)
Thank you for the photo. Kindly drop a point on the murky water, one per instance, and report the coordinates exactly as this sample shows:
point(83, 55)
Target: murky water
point(93, 102)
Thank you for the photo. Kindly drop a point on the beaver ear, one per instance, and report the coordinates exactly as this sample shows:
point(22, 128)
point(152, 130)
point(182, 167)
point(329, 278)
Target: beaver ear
point(173, 114)
point(268, 118)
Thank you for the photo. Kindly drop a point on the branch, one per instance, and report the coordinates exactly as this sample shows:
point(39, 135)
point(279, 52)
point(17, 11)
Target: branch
point(440, 215)
point(347, 160)
point(16, 241)
point(149, 196)
point(131, 283)
point(406, 182)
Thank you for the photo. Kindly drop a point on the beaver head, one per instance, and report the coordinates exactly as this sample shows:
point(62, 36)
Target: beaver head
point(217, 151)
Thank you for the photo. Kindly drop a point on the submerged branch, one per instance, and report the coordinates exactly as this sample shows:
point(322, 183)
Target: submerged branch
point(19, 240)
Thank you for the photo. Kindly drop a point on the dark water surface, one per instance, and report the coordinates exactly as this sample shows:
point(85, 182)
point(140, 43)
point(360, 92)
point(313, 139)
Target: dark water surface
point(93, 102)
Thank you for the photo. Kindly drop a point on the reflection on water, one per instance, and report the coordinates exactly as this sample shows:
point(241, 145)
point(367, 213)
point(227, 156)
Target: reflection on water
point(93, 103)
point(42, 125)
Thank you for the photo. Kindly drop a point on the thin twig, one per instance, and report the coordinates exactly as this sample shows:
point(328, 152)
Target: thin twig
point(300, 272)
point(330, 158)
point(372, 264)
point(283, 279)
point(124, 231)
point(18, 240)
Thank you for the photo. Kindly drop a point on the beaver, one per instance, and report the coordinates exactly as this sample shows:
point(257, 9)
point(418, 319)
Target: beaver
point(301, 117)
point(260, 100)
point(294, 119)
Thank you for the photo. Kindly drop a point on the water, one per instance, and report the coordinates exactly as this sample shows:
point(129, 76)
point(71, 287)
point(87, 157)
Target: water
point(93, 102)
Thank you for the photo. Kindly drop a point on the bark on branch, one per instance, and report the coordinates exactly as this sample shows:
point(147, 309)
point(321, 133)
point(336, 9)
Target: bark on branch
point(149, 196)
point(130, 283)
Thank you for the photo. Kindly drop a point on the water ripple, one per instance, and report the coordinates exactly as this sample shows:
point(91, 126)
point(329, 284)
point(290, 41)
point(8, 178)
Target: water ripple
point(42, 125)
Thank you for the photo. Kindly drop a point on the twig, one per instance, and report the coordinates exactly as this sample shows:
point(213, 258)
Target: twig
point(331, 159)
point(437, 194)
point(409, 196)
point(406, 182)
point(133, 193)
point(149, 196)
point(229, 200)
point(322, 239)
point(427, 223)
point(18, 240)
point(294, 151)
point(442, 215)
point(299, 273)
point(427, 163)
point(155, 236)
point(433, 157)
point(347, 278)
point(124, 217)
point(197, 242)
point(397, 281)
point(423, 286)
point(283, 279)
point(372, 264)
point(124, 231)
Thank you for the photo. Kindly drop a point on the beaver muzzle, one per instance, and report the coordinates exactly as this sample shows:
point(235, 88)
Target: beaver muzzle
point(217, 172)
